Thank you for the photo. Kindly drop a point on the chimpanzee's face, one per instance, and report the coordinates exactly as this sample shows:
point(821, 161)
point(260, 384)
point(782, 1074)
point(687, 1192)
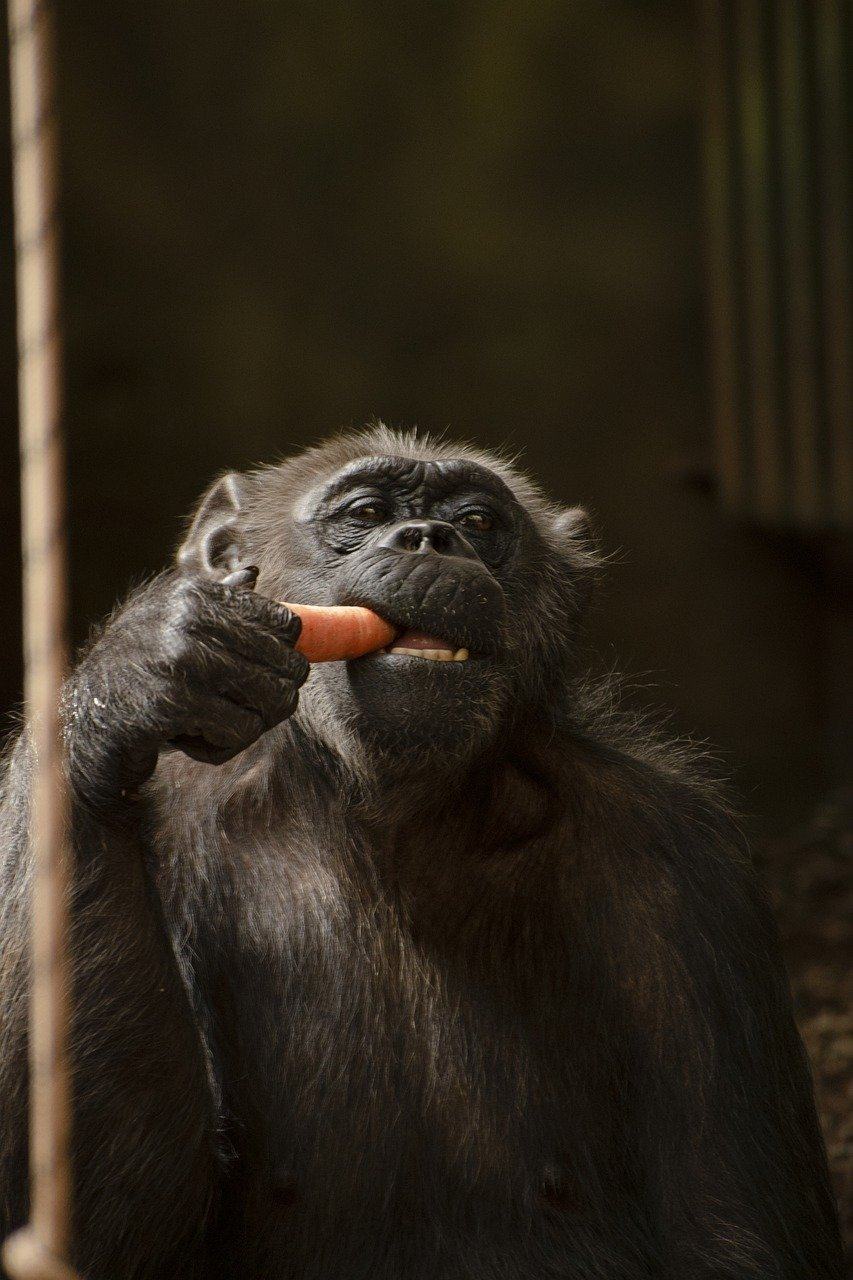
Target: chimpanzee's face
point(481, 577)
point(433, 547)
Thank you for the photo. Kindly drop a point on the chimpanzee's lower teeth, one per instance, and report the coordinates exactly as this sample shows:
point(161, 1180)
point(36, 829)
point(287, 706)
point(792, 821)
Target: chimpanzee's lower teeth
point(431, 655)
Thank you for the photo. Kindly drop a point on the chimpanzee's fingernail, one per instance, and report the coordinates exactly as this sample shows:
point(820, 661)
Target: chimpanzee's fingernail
point(246, 577)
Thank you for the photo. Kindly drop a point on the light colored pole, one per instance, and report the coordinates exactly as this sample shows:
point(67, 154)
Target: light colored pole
point(40, 1250)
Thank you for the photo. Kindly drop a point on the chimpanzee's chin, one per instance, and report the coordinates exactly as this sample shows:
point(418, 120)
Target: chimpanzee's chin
point(419, 709)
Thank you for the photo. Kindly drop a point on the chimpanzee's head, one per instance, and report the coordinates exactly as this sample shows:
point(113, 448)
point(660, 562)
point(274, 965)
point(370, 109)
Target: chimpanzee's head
point(483, 578)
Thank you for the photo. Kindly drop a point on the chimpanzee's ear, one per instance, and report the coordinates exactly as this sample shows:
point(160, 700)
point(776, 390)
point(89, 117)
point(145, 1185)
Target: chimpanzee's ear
point(573, 530)
point(214, 545)
point(575, 539)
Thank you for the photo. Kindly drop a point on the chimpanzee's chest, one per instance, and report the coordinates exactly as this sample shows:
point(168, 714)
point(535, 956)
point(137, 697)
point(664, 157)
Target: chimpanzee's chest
point(397, 1108)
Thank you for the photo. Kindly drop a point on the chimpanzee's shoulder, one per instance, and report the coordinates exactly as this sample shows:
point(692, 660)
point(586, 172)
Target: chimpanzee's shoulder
point(650, 828)
point(632, 789)
point(633, 754)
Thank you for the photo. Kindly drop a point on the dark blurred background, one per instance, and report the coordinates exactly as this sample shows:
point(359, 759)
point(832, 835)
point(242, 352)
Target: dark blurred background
point(611, 236)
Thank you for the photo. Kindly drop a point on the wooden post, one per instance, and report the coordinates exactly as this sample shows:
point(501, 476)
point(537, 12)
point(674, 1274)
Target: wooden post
point(39, 1251)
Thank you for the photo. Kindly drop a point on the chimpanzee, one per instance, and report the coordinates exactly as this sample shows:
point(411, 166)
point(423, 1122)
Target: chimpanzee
point(421, 966)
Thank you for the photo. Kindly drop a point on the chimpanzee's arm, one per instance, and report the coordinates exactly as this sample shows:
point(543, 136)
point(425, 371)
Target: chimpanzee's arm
point(210, 668)
point(735, 1164)
point(143, 1110)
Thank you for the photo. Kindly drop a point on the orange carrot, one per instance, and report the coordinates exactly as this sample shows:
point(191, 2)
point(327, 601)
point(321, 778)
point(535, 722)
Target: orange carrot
point(331, 633)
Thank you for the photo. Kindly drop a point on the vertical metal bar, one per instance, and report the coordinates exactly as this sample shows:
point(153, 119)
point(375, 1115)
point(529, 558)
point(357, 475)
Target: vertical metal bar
point(832, 49)
point(803, 401)
point(718, 156)
point(38, 1252)
point(758, 238)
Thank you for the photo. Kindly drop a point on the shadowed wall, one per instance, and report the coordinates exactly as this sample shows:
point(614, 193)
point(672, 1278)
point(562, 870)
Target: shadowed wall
point(281, 220)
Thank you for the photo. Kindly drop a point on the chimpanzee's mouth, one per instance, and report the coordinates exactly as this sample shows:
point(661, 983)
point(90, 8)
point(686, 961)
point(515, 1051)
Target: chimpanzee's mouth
point(419, 644)
point(442, 612)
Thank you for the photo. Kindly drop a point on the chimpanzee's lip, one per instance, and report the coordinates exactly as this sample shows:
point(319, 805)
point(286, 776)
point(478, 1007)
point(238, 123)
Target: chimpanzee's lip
point(422, 632)
point(420, 644)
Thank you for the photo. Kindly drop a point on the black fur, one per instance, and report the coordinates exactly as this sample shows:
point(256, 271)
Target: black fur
point(449, 974)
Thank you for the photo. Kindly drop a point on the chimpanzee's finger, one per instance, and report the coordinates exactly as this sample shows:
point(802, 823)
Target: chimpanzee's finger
point(211, 601)
point(214, 728)
point(252, 626)
point(273, 697)
point(275, 616)
point(223, 649)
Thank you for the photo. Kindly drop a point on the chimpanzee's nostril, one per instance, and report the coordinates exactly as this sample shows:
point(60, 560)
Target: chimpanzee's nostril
point(412, 537)
point(427, 535)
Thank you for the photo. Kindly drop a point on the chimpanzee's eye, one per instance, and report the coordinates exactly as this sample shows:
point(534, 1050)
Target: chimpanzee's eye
point(479, 521)
point(371, 511)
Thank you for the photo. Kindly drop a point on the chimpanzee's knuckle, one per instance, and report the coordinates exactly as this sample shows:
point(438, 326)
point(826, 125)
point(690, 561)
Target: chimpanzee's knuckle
point(170, 704)
point(291, 702)
point(283, 622)
point(238, 602)
point(188, 599)
point(280, 705)
point(245, 730)
point(286, 621)
point(297, 667)
point(178, 648)
point(184, 590)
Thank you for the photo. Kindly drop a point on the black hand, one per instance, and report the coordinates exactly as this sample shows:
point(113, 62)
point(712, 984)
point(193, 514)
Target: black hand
point(206, 667)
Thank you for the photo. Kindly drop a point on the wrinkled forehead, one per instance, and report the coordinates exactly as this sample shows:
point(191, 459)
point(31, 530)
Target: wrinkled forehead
point(428, 478)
